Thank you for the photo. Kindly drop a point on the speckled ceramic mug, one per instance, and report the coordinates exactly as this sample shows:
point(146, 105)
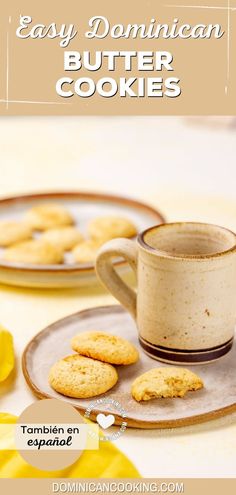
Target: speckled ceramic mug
point(185, 307)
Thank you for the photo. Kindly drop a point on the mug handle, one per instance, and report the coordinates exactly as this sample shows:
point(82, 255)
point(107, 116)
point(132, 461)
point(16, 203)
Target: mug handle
point(109, 277)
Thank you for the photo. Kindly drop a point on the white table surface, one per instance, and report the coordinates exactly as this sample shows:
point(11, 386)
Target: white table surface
point(189, 171)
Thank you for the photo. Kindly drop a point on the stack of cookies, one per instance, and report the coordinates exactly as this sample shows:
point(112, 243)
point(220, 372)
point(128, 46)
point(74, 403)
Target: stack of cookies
point(56, 233)
point(91, 371)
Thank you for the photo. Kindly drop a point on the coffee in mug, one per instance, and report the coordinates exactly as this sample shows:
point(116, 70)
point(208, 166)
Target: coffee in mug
point(185, 305)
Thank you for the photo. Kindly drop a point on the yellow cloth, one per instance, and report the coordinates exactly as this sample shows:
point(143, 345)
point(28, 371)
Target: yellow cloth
point(107, 462)
point(6, 354)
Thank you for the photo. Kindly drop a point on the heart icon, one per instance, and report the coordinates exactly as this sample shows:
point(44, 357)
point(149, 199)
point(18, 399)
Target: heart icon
point(105, 421)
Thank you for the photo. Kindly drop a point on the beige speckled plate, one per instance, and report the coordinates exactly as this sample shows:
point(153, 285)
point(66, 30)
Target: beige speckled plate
point(218, 398)
point(83, 207)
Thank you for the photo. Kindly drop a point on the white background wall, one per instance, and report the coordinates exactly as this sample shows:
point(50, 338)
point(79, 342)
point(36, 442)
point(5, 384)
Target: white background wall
point(180, 164)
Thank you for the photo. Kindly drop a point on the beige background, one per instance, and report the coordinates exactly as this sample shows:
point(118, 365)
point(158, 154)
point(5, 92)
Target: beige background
point(34, 66)
point(191, 487)
point(184, 167)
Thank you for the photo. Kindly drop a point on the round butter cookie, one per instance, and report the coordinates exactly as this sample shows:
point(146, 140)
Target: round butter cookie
point(35, 252)
point(81, 377)
point(110, 227)
point(105, 347)
point(86, 251)
point(65, 237)
point(48, 216)
point(167, 382)
point(13, 232)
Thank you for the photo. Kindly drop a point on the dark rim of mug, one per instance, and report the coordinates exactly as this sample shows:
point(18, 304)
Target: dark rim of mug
point(188, 357)
point(166, 254)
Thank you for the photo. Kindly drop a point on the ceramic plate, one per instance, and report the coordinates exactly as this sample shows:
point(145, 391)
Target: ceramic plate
point(217, 398)
point(84, 207)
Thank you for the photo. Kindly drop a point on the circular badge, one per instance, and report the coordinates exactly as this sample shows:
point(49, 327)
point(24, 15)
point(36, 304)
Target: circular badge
point(106, 419)
point(50, 434)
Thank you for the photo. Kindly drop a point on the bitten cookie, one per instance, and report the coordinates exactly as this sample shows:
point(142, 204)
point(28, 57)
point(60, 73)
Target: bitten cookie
point(165, 382)
point(105, 347)
point(81, 377)
point(13, 232)
point(86, 251)
point(110, 227)
point(48, 216)
point(65, 237)
point(34, 252)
